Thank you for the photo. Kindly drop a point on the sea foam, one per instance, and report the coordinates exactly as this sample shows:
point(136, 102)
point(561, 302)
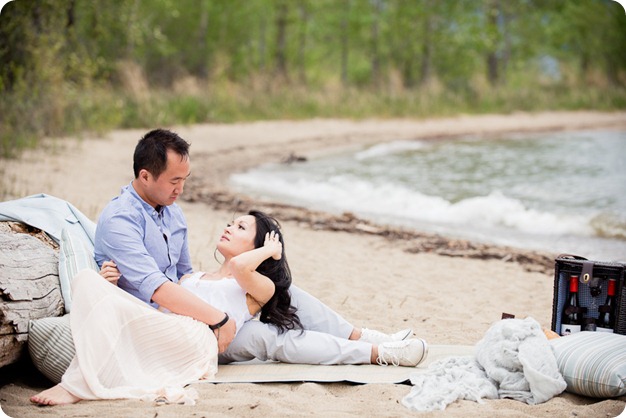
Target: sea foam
point(399, 205)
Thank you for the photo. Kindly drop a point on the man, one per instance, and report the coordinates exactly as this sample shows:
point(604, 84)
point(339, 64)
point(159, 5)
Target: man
point(145, 233)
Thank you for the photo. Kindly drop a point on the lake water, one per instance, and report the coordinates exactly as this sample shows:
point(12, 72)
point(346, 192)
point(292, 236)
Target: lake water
point(560, 192)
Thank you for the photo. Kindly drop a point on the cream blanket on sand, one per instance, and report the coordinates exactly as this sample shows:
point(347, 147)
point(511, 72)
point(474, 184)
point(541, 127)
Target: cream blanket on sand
point(513, 360)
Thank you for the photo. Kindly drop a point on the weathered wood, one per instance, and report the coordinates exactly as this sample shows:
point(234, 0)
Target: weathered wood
point(29, 288)
point(12, 348)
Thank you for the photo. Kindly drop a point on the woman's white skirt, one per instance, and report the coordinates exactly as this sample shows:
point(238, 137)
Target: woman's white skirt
point(127, 349)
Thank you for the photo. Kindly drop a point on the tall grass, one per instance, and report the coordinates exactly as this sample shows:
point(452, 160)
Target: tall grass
point(64, 109)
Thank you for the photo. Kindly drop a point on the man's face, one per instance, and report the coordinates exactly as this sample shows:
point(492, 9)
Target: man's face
point(164, 190)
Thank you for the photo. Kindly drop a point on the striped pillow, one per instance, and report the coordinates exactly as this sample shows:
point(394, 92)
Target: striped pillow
point(51, 346)
point(592, 363)
point(75, 255)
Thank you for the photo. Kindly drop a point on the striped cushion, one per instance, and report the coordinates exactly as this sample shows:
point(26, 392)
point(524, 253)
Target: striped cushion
point(593, 363)
point(76, 254)
point(51, 346)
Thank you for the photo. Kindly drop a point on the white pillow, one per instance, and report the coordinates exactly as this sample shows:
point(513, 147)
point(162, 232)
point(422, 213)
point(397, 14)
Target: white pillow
point(51, 346)
point(592, 363)
point(76, 254)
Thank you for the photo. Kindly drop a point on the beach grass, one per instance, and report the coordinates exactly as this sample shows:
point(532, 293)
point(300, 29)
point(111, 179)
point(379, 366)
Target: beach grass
point(66, 109)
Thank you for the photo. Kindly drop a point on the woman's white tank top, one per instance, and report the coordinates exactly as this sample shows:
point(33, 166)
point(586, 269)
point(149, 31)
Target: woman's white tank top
point(224, 294)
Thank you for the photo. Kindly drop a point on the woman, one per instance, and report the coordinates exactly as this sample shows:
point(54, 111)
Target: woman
point(254, 257)
point(245, 245)
point(123, 346)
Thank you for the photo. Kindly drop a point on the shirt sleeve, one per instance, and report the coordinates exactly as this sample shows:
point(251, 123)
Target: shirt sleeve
point(122, 242)
point(184, 262)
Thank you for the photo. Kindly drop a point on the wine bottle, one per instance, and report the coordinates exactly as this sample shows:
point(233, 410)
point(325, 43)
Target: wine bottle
point(590, 324)
point(571, 319)
point(606, 319)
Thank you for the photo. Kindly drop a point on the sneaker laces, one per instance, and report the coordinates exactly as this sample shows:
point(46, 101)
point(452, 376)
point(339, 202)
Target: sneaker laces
point(373, 336)
point(395, 350)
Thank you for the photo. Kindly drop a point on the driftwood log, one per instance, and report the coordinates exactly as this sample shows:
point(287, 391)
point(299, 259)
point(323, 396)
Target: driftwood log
point(29, 285)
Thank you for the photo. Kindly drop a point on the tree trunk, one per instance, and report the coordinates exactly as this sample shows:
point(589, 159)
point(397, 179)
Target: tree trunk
point(493, 11)
point(425, 70)
point(302, 39)
point(281, 40)
point(29, 288)
point(344, 42)
point(375, 53)
point(201, 39)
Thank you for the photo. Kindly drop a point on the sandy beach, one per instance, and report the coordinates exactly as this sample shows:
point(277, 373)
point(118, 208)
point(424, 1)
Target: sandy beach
point(449, 291)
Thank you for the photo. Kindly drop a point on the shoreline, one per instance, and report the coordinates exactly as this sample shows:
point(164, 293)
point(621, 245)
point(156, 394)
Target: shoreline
point(411, 240)
point(208, 186)
point(378, 277)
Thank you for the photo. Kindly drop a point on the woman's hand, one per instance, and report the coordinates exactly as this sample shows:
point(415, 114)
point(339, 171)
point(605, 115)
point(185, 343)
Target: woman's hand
point(272, 242)
point(110, 272)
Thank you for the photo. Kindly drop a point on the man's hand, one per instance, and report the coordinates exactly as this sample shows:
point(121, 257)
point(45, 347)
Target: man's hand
point(110, 272)
point(225, 335)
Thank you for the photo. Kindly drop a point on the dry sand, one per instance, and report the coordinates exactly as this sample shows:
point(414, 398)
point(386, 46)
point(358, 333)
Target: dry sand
point(362, 271)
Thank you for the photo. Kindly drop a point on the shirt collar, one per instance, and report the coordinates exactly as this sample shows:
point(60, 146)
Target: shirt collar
point(149, 209)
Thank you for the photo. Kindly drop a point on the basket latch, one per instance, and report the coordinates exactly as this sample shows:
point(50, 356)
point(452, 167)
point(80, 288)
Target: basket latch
point(586, 277)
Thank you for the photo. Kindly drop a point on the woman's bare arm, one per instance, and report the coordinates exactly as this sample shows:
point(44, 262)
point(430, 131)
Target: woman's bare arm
point(244, 266)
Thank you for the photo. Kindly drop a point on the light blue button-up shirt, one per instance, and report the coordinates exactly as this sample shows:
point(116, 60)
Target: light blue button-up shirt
point(149, 247)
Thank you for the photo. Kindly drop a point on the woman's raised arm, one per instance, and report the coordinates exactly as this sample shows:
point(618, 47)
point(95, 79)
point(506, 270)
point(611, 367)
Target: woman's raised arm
point(244, 266)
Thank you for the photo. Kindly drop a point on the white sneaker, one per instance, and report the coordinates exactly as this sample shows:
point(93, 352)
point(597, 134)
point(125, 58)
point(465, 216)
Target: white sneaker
point(402, 353)
point(376, 337)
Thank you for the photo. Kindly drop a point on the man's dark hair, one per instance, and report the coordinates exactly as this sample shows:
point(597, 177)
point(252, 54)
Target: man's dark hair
point(151, 151)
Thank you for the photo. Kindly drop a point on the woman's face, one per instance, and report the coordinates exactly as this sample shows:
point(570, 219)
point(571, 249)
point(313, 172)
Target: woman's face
point(238, 236)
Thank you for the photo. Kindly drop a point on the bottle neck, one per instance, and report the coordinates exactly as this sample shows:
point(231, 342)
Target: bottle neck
point(610, 291)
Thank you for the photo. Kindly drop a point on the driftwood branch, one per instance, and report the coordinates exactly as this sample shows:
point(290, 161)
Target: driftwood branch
point(29, 285)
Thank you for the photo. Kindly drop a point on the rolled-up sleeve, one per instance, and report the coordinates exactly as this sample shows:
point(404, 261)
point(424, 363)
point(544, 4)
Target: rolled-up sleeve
point(123, 241)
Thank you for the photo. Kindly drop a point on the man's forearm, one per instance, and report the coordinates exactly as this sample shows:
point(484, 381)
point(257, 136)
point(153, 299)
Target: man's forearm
point(181, 301)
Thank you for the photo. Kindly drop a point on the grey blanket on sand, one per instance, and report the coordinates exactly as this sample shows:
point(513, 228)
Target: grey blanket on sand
point(513, 360)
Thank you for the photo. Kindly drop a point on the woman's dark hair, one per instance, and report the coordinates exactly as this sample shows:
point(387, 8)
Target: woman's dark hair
point(151, 151)
point(278, 309)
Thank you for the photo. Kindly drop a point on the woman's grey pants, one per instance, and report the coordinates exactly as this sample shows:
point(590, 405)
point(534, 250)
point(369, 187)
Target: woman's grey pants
point(324, 340)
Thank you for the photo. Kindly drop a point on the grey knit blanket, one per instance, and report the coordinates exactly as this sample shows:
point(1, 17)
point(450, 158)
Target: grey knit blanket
point(513, 360)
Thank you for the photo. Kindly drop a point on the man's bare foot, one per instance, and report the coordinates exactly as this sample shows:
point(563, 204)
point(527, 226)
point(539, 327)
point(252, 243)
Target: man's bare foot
point(56, 395)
